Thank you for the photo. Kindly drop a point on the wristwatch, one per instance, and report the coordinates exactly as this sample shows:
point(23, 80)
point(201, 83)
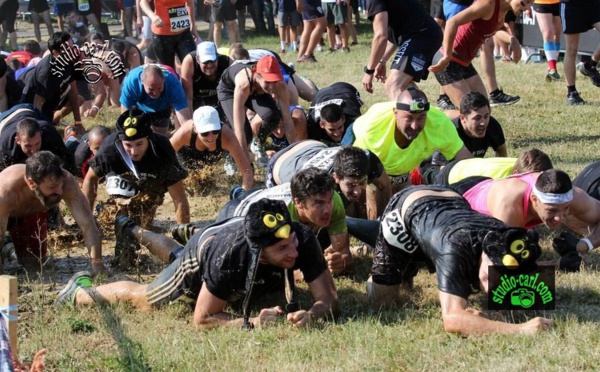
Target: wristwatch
point(369, 71)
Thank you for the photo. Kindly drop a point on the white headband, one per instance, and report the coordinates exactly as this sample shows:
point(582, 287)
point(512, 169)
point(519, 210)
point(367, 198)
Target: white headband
point(548, 198)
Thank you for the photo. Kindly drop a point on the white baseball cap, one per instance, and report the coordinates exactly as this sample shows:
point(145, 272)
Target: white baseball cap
point(206, 51)
point(206, 119)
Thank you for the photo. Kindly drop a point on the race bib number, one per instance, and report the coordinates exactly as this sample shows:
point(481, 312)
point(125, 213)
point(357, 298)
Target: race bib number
point(179, 18)
point(117, 186)
point(395, 234)
point(323, 160)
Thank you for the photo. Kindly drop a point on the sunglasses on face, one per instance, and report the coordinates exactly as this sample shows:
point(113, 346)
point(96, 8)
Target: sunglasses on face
point(215, 132)
point(209, 62)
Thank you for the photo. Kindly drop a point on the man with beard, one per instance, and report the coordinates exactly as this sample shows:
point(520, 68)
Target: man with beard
point(28, 190)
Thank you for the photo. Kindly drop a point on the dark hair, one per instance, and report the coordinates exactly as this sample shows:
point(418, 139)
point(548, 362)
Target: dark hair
point(238, 52)
point(118, 46)
point(331, 113)
point(97, 35)
point(554, 181)
point(32, 47)
point(57, 39)
point(533, 160)
point(473, 101)
point(14, 64)
point(28, 127)
point(310, 182)
point(351, 161)
point(41, 165)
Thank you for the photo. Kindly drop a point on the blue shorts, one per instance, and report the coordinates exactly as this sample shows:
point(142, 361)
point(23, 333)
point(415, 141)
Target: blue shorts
point(451, 9)
point(63, 9)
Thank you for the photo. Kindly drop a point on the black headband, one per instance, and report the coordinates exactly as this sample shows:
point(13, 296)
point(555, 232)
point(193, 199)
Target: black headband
point(418, 104)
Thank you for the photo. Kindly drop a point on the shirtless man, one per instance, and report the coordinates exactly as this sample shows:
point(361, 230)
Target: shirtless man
point(28, 190)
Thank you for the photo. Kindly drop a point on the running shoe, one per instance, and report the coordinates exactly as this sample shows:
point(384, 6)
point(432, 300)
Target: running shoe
point(552, 75)
point(503, 99)
point(574, 99)
point(82, 279)
point(307, 59)
point(344, 50)
point(261, 155)
point(125, 244)
point(230, 168)
point(182, 232)
point(444, 103)
point(591, 72)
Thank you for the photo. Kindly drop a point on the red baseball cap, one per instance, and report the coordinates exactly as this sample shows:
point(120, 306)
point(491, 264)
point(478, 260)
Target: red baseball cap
point(268, 68)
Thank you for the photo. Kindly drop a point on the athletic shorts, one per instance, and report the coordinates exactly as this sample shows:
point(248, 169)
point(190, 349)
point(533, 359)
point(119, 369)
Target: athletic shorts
point(553, 9)
point(127, 4)
point(38, 6)
point(146, 27)
point(63, 9)
point(442, 178)
point(167, 46)
point(312, 10)
point(8, 15)
point(579, 16)
point(417, 53)
point(454, 72)
point(335, 13)
point(392, 265)
point(224, 13)
point(29, 235)
point(174, 282)
point(289, 19)
point(83, 89)
point(437, 10)
point(451, 9)
point(589, 180)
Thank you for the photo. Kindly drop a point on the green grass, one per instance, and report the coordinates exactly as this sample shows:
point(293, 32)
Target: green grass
point(407, 338)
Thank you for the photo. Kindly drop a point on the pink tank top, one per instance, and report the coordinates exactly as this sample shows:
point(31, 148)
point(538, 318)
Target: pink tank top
point(477, 195)
point(471, 36)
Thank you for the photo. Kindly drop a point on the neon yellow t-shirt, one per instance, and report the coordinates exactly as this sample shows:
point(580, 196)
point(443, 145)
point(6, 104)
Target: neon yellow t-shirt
point(337, 225)
point(375, 129)
point(495, 168)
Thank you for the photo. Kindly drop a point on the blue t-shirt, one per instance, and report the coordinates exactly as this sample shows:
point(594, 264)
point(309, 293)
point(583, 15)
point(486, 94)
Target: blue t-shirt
point(133, 93)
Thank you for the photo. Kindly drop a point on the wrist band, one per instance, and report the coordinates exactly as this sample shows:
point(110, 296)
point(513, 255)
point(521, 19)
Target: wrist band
point(589, 244)
point(96, 260)
point(382, 61)
point(96, 107)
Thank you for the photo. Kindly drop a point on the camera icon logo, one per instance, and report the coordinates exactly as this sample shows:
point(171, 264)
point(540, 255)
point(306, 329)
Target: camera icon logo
point(522, 297)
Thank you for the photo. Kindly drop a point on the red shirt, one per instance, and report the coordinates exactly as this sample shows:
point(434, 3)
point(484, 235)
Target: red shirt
point(471, 36)
point(174, 15)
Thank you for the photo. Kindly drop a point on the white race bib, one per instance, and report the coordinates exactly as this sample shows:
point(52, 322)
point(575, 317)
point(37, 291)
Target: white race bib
point(117, 186)
point(179, 18)
point(395, 234)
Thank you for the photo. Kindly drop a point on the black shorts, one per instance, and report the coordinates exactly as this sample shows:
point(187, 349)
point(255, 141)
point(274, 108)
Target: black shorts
point(589, 180)
point(312, 10)
point(437, 10)
point(83, 89)
point(264, 106)
point(181, 279)
point(442, 177)
point(8, 15)
point(579, 16)
point(224, 13)
point(38, 6)
point(418, 51)
point(167, 46)
point(289, 19)
point(553, 9)
point(453, 72)
point(392, 265)
point(510, 17)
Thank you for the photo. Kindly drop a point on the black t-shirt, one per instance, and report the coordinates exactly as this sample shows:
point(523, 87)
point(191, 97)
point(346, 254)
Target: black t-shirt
point(192, 158)
point(205, 90)
point(158, 169)
point(448, 235)
point(343, 94)
point(494, 138)
point(50, 81)
point(405, 18)
point(83, 154)
point(11, 153)
point(225, 261)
